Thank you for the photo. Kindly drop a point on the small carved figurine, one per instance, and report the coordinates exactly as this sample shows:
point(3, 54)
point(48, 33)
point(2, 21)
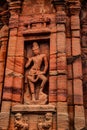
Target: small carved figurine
point(46, 124)
point(35, 73)
point(19, 123)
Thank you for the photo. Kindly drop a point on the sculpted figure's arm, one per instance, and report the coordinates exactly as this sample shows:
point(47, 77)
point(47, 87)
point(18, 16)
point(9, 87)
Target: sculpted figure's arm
point(28, 62)
point(46, 64)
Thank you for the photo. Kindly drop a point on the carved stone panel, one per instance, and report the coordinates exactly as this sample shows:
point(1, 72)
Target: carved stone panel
point(36, 72)
point(31, 117)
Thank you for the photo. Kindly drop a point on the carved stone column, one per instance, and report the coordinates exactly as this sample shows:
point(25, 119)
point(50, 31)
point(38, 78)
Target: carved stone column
point(53, 69)
point(62, 107)
point(4, 35)
point(77, 89)
point(3, 51)
point(4, 17)
point(9, 90)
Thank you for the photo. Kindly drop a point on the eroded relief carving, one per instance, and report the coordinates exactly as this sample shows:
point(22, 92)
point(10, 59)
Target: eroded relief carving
point(37, 23)
point(36, 76)
point(46, 123)
point(20, 123)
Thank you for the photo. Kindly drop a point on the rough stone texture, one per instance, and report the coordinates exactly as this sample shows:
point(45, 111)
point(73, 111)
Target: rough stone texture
point(61, 41)
point(79, 117)
point(53, 88)
point(71, 116)
point(63, 121)
point(4, 120)
point(70, 92)
point(78, 95)
point(62, 88)
point(84, 52)
point(61, 63)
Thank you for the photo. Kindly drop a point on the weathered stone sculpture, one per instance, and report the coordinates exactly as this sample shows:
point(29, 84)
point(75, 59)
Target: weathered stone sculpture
point(20, 123)
point(35, 73)
point(46, 123)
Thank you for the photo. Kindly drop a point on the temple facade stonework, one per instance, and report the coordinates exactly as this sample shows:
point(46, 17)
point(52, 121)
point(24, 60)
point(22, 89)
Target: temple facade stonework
point(43, 69)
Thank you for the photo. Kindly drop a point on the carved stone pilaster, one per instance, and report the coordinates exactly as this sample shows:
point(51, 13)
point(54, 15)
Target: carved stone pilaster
point(15, 9)
point(59, 5)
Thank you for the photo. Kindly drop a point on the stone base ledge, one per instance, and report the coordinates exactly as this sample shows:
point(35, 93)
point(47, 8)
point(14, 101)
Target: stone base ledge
point(33, 108)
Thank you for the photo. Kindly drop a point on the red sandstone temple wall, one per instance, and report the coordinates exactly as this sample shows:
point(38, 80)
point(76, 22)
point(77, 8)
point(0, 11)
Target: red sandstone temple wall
point(59, 27)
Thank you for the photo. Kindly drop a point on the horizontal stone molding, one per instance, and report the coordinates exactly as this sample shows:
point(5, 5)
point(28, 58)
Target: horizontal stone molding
point(33, 108)
point(36, 31)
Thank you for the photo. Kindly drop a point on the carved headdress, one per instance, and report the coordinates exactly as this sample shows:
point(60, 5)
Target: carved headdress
point(18, 115)
point(35, 46)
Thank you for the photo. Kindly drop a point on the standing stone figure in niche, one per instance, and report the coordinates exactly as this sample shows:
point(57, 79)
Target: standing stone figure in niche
point(36, 72)
point(20, 123)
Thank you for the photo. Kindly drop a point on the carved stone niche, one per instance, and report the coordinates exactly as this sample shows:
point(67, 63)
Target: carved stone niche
point(36, 112)
point(36, 84)
point(31, 117)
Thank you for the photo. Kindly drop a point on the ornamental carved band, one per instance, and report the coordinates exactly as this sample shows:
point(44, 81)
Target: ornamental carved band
point(60, 18)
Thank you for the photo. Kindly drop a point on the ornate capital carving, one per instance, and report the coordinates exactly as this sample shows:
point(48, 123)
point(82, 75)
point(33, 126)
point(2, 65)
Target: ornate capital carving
point(74, 7)
point(60, 17)
point(15, 6)
point(59, 4)
point(4, 13)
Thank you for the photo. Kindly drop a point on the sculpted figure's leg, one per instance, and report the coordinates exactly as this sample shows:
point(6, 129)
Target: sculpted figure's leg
point(31, 78)
point(32, 90)
point(44, 80)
